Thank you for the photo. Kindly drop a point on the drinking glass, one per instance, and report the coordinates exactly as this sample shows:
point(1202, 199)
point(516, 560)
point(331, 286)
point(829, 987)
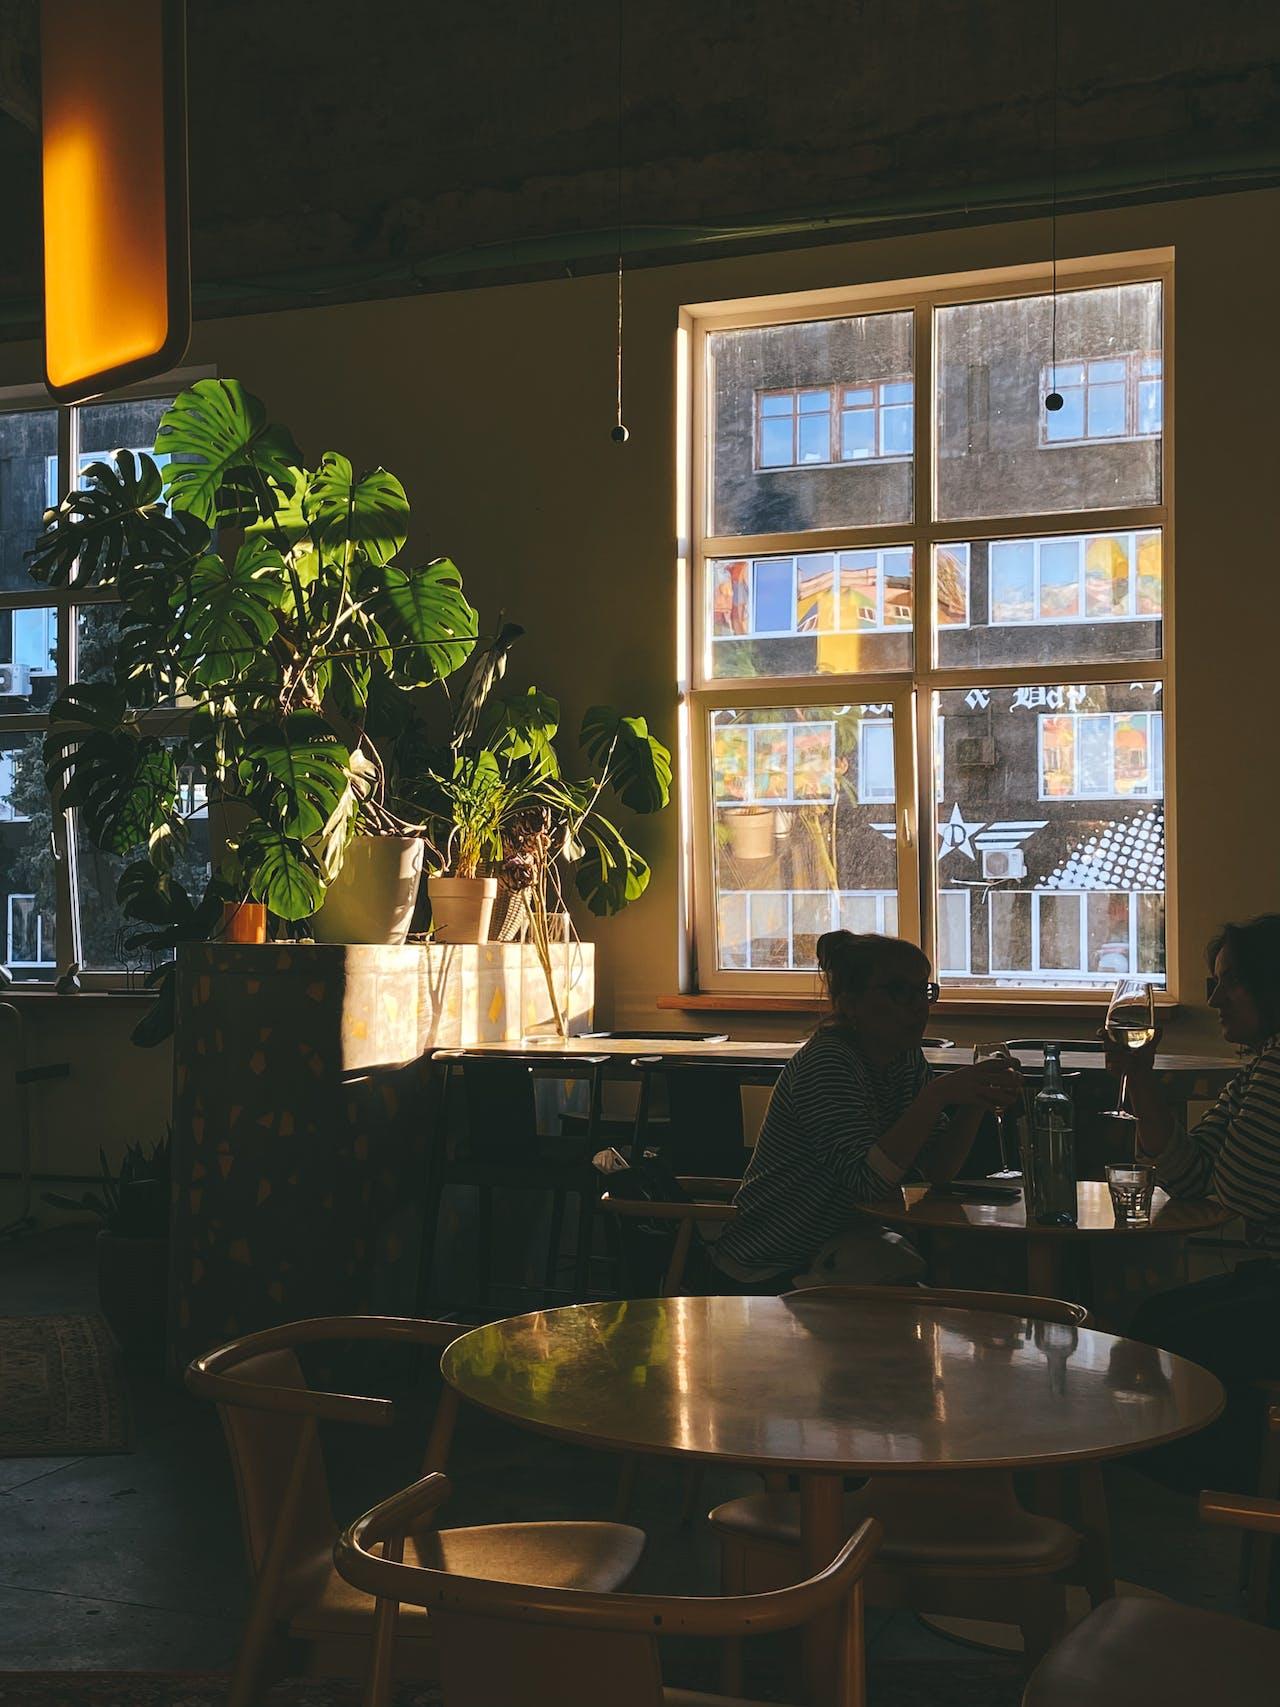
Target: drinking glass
point(998, 1052)
point(1130, 1024)
point(1132, 1186)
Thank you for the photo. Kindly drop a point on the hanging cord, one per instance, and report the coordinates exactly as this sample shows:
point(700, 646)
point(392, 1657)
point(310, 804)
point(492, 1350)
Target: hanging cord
point(1054, 400)
point(619, 435)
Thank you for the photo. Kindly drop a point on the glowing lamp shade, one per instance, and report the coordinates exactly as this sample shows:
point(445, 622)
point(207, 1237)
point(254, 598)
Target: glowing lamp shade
point(117, 285)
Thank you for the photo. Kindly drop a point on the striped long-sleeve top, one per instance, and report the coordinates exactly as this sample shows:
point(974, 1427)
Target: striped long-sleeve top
point(1233, 1154)
point(818, 1154)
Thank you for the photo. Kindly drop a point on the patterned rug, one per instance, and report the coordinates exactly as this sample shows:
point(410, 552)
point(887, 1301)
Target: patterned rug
point(61, 1391)
point(902, 1683)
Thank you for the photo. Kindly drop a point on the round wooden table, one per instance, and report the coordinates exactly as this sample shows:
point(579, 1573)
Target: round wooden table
point(916, 1206)
point(827, 1387)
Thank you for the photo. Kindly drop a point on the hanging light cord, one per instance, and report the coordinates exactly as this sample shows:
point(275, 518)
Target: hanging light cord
point(619, 434)
point(1054, 399)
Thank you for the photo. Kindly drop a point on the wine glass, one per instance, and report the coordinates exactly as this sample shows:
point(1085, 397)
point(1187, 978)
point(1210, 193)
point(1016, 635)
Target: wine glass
point(998, 1052)
point(1130, 1024)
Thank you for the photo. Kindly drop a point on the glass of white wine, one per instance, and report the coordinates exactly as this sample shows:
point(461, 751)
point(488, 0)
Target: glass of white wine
point(999, 1052)
point(1130, 1024)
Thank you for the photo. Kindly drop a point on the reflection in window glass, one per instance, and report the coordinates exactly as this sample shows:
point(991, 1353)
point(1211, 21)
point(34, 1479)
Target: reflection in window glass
point(1000, 452)
point(28, 449)
point(798, 849)
point(818, 613)
point(27, 871)
point(811, 425)
point(1052, 825)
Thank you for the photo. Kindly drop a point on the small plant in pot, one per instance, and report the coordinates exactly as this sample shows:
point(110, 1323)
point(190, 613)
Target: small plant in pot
point(132, 1207)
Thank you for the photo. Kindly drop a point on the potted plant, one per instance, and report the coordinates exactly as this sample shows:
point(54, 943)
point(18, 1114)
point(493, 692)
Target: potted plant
point(132, 1207)
point(267, 601)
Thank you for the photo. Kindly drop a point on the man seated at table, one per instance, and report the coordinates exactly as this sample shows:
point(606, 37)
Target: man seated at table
point(1229, 1323)
point(853, 1113)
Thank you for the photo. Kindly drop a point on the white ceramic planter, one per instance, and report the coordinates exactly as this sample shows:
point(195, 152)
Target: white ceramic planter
point(461, 907)
point(751, 831)
point(372, 898)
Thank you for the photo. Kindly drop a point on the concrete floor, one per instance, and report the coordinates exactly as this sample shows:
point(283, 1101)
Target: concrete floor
point(134, 1562)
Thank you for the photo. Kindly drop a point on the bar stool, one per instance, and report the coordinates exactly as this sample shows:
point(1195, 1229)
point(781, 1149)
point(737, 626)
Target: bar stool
point(502, 1150)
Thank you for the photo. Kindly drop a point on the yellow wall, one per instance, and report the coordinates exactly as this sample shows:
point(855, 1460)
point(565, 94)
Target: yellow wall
point(495, 407)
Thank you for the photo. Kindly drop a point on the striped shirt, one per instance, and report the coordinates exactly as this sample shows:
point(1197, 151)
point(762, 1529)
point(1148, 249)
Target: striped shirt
point(818, 1154)
point(1233, 1155)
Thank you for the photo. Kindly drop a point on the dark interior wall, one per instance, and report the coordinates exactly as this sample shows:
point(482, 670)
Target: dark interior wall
point(341, 149)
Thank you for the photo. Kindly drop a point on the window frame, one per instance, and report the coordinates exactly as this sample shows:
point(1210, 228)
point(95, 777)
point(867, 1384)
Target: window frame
point(835, 413)
point(1155, 755)
point(911, 692)
point(1134, 379)
point(67, 602)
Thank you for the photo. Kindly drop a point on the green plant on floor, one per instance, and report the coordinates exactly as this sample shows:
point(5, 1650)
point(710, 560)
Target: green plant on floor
point(133, 1202)
point(270, 641)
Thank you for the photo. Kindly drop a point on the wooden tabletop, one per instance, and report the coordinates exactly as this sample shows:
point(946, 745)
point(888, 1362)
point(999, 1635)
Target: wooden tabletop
point(917, 1206)
point(807, 1383)
point(747, 1053)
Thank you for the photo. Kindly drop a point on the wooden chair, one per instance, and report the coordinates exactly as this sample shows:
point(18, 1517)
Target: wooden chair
point(270, 1418)
point(703, 1132)
point(1258, 1545)
point(503, 1150)
point(502, 1645)
point(956, 1544)
point(1136, 1652)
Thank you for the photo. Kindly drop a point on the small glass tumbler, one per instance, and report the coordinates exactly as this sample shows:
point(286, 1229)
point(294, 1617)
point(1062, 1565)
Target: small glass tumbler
point(1132, 1185)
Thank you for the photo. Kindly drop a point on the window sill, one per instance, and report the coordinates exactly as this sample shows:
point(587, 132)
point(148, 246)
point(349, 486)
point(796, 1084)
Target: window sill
point(726, 1002)
point(46, 992)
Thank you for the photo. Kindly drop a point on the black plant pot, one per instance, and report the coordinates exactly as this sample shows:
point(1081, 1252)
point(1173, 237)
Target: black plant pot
point(133, 1277)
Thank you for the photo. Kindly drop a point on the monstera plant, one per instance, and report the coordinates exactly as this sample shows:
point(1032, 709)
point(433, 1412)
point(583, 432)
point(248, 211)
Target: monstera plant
point(270, 639)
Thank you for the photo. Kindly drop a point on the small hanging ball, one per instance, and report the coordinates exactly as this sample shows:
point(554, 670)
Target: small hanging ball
point(619, 435)
point(1053, 402)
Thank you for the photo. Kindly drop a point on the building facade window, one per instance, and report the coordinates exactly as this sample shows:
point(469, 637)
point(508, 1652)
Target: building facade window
point(60, 910)
point(815, 426)
point(935, 678)
point(1107, 397)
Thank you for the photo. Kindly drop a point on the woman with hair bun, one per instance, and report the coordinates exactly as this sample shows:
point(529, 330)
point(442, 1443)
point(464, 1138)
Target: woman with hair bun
point(853, 1113)
point(1230, 1322)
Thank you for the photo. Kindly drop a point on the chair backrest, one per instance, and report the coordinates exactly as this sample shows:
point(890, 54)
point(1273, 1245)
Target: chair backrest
point(514, 1645)
point(1008, 1303)
point(264, 1446)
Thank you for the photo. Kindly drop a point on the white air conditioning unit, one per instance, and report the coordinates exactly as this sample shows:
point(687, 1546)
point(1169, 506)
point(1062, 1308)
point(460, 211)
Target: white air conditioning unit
point(975, 752)
point(15, 681)
point(1004, 862)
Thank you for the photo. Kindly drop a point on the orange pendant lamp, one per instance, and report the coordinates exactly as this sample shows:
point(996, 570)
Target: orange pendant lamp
point(117, 271)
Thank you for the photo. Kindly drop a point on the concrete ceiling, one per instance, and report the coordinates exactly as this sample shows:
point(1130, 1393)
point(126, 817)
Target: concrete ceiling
point(355, 148)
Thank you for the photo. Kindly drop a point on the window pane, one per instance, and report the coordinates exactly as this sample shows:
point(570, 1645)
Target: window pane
point(795, 845)
point(760, 626)
point(757, 493)
point(999, 451)
point(896, 428)
point(951, 585)
point(105, 427)
point(101, 921)
point(1035, 821)
point(27, 871)
point(28, 659)
point(776, 443)
point(1066, 423)
point(28, 487)
point(857, 433)
point(875, 762)
point(1027, 608)
point(953, 931)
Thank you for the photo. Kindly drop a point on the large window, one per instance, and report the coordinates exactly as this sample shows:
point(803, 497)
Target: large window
point(58, 892)
point(927, 680)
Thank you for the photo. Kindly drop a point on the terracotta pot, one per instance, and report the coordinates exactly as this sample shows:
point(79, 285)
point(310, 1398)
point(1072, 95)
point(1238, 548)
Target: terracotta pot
point(133, 1281)
point(461, 907)
point(372, 897)
point(244, 921)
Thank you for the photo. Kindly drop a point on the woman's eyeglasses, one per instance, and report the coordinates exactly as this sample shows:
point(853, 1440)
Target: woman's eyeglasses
point(906, 995)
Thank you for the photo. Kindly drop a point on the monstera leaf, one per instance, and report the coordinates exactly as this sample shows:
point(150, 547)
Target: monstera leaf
point(371, 513)
point(636, 763)
point(114, 519)
point(523, 728)
point(281, 871)
point(428, 624)
point(297, 772)
point(229, 612)
point(124, 784)
point(610, 873)
point(225, 453)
